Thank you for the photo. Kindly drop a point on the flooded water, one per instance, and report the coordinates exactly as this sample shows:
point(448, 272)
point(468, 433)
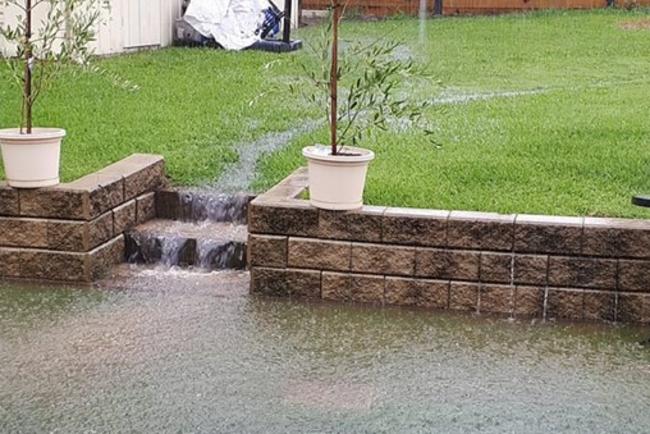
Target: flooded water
point(153, 351)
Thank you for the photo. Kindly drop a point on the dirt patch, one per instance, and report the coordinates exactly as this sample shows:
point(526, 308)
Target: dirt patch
point(635, 25)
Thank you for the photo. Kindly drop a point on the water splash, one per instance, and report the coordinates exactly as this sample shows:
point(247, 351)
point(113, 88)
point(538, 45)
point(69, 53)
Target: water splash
point(164, 250)
point(219, 255)
point(205, 246)
point(198, 206)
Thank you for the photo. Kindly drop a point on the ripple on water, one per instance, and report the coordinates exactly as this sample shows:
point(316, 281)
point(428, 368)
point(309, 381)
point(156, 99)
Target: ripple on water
point(151, 351)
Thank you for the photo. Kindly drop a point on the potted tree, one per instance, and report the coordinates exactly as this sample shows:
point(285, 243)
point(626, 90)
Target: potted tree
point(31, 155)
point(374, 98)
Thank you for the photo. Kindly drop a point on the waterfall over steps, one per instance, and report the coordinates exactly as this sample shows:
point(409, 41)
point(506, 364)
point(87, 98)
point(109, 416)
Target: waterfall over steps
point(198, 230)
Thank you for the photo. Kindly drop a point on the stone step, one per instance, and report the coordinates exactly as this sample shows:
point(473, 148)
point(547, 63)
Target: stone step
point(202, 206)
point(206, 246)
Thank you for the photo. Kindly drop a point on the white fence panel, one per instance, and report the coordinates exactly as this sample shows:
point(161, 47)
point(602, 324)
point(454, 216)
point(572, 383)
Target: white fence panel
point(130, 24)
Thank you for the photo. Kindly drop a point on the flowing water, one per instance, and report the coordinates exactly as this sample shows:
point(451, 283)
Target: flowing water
point(206, 231)
point(241, 175)
point(151, 351)
point(203, 245)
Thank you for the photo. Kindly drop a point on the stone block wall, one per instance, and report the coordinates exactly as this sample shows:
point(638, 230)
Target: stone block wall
point(518, 265)
point(74, 232)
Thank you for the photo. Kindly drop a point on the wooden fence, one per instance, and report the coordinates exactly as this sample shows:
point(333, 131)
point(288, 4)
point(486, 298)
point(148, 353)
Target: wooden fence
point(380, 8)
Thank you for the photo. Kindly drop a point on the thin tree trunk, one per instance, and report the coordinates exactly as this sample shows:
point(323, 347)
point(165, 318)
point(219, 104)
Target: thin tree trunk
point(334, 76)
point(27, 91)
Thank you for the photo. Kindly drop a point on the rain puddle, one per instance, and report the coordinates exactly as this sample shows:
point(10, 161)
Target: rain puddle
point(175, 351)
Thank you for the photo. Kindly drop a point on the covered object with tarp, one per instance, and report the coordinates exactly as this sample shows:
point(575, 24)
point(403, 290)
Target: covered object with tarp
point(233, 24)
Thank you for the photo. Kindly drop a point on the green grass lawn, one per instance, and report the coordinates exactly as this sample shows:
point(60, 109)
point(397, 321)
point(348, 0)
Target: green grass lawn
point(575, 142)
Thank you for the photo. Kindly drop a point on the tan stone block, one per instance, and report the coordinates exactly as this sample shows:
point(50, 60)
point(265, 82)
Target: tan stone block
point(479, 230)
point(281, 218)
point(64, 235)
point(531, 269)
point(634, 308)
point(267, 250)
point(59, 202)
point(105, 191)
point(463, 296)
point(336, 286)
point(100, 230)
point(367, 289)
point(401, 292)
point(9, 202)
point(10, 263)
point(600, 306)
point(146, 207)
point(497, 299)
point(433, 294)
point(354, 287)
point(415, 227)
point(616, 238)
point(496, 267)
point(51, 265)
point(142, 173)
point(106, 256)
point(319, 254)
point(447, 264)
point(529, 301)
point(383, 259)
point(565, 303)
point(304, 283)
point(359, 225)
point(269, 281)
point(285, 282)
point(124, 217)
point(548, 234)
point(23, 232)
point(67, 235)
point(582, 272)
point(634, 275)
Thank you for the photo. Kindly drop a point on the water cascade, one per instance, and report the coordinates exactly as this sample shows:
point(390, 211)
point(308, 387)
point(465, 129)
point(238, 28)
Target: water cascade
point(199, 230)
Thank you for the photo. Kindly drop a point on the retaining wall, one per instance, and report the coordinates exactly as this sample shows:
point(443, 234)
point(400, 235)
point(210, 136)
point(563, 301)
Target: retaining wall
point(521, 265)
point(74, 232)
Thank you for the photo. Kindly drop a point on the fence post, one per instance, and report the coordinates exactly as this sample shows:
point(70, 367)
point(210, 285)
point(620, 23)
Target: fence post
point(437, 7)
point(286, 30)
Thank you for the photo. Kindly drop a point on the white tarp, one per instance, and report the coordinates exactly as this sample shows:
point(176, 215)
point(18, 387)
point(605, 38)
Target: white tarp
point(232, 23)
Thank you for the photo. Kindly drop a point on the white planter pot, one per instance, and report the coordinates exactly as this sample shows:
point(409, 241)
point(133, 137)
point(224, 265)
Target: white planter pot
point(31, 160)
point(336, 182)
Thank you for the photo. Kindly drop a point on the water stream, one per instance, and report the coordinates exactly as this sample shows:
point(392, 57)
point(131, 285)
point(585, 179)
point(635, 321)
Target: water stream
point(239, 176)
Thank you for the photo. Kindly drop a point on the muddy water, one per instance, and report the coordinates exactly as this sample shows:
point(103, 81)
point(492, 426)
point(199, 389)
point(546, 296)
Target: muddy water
point(154, 351)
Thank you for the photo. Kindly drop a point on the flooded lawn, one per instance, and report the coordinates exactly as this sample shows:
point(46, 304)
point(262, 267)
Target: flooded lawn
point(154, 351)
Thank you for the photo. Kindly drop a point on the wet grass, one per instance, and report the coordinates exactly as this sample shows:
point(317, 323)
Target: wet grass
point(192, 106)
point(574, 142)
